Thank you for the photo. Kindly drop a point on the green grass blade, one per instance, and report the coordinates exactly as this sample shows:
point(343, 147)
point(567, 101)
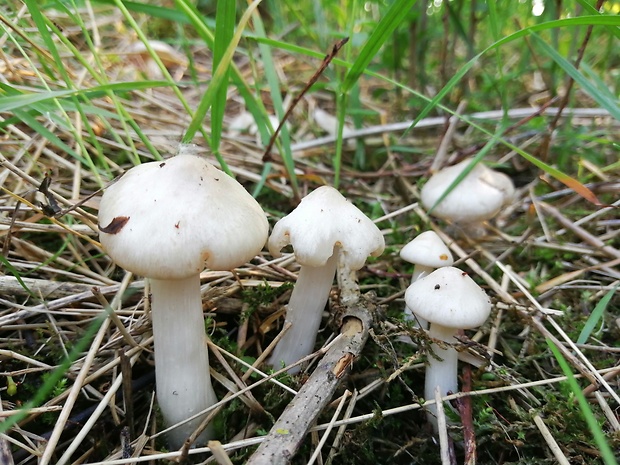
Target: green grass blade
point(201, 27)
point(23, 99)
point(218, 75)
point(154, 11)
point(264, 126)
point(596, 315)
point(341, 107)
point(46, 36)
point(599, 97)
point(382, 32)
point(495, 22)
point(556, 24)
point(596, 80)
point(587, 6)
point(32, 123)
point(19, 279)
point(390, 21)
point(599, 436)
point(224, 30)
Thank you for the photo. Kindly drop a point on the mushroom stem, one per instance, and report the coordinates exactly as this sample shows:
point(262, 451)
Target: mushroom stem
point(183, 389)
point(304, 312)
point(419, 271)
point(442, 373)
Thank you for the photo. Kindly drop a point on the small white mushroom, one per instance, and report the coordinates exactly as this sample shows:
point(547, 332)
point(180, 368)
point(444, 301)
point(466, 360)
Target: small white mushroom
point(449, 300)
point(478, 197)
point(167, 221)
point(427, 252)
point(327, 232)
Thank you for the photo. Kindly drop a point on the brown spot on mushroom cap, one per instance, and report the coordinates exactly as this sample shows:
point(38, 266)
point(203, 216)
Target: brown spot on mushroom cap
point(115, 225)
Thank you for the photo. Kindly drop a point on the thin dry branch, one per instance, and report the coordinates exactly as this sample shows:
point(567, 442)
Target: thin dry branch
point(6, 458)
point(287, 434)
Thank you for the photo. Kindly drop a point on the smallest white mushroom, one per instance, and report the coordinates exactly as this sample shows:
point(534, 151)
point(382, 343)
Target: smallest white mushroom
point(450, 300)
point(427, 252)
point(478, 197)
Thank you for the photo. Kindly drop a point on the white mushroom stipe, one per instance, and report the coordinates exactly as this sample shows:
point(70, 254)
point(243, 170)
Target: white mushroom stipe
point(181, 393)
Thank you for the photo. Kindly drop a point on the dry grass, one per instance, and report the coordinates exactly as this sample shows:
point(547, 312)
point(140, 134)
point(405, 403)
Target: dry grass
point(546, 260)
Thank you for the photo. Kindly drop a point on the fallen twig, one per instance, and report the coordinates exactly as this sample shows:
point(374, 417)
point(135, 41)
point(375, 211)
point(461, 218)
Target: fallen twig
point(287, 434)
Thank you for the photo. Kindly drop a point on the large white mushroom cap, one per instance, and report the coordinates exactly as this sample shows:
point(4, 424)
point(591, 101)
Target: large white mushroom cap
point(478, 197)
point(427, 249)
point(450, 298)
point(325, 219)
point(171, 219)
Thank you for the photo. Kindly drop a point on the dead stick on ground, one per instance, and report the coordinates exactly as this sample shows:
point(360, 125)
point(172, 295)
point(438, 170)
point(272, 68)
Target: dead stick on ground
point(288, 432)
point(466, 410)
point(219, 453)
point(6, 458)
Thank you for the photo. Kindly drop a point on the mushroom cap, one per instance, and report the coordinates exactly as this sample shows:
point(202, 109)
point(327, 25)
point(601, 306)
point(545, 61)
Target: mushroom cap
point(322, 220)
point(171, 219)
point(427, 249)
point(478, 197)
point(449, 297)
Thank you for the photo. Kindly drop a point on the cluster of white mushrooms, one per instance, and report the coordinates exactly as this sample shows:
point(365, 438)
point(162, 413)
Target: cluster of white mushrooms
point(448, 300)
point(170, 220)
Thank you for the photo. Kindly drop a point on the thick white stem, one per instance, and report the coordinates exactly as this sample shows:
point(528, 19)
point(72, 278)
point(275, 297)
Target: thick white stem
point(304, 312)
point(181, 358)
point(442, 373)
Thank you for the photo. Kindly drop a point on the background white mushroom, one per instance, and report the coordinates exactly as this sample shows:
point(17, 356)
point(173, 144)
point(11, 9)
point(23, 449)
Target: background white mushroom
point(167, 221)
point(478, 197)
point(327, 232)
point(449, 300)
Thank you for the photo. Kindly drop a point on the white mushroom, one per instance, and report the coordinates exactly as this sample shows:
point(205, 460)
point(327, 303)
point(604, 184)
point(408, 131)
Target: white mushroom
point(167, 221)
point(326, 233)
point(450, 300)
point(478, 197)
point(427, 252)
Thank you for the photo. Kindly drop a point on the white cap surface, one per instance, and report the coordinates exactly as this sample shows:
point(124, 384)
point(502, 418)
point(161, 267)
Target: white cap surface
point(478, 197)
point(449, 297)
point(324, 219)
point(427, 249)
point(171, 219)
